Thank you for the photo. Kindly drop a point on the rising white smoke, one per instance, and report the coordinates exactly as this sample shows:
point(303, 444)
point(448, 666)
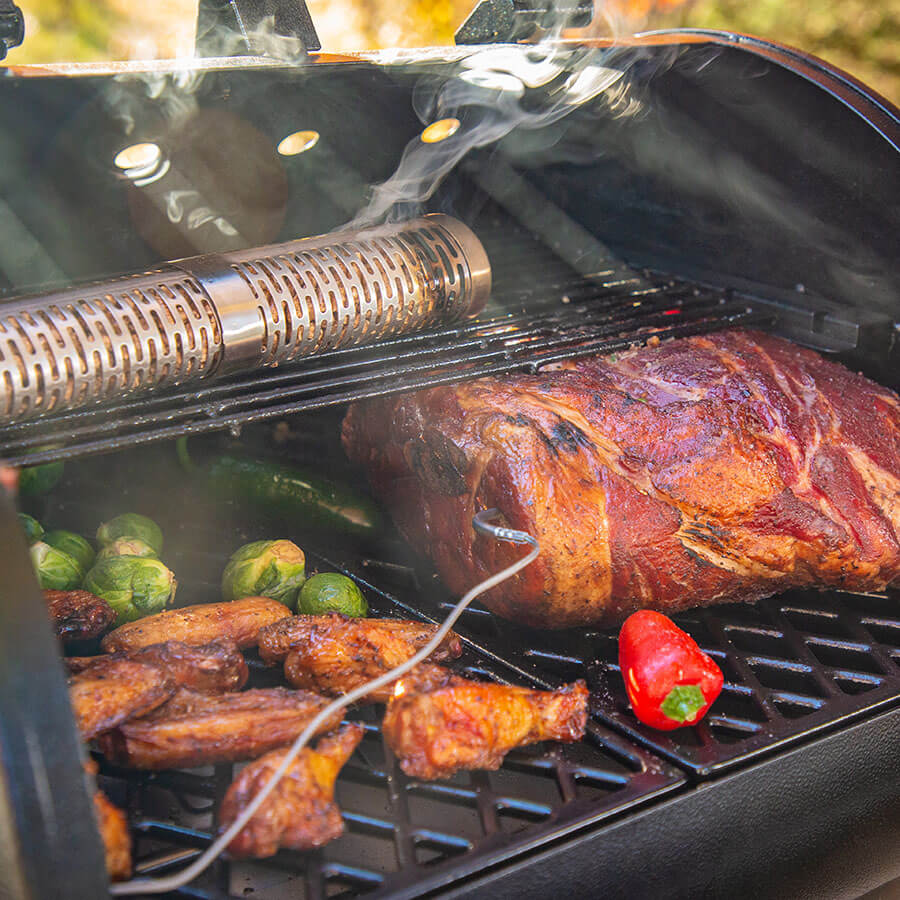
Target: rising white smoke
point(491, 92)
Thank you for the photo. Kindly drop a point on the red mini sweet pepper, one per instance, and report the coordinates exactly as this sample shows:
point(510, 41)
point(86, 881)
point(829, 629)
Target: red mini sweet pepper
point(670, 681)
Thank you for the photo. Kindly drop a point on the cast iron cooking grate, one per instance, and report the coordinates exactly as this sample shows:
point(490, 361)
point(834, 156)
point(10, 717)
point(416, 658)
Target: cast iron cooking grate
point(403, 836)
point(794, 664)
point(541, 311)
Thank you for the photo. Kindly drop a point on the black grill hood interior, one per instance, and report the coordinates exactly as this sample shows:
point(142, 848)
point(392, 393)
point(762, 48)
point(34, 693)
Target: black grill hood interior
point(714, 163)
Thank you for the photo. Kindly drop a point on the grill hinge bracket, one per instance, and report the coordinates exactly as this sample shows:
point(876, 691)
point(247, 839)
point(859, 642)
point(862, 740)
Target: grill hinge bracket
point(282, 29)
point(12, 27)
point(508, 21)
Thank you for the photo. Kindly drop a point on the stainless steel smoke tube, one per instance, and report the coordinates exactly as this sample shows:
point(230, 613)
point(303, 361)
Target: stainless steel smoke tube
point(222, 313)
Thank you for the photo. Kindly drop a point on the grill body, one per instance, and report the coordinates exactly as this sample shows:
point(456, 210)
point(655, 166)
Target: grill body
point(730, 183)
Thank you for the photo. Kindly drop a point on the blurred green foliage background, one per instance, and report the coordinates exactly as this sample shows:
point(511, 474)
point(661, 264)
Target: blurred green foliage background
point(860, 36)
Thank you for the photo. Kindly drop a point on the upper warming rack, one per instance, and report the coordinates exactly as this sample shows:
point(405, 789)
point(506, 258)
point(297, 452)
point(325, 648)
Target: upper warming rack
point(540, 311)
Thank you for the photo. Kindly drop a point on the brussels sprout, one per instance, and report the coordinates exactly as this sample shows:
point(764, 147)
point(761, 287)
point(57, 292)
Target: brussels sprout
point(32, 528)
point(34, 480)
point(127, 547)
point(273, 569)
point(131, 525)
point(329, 592)
point(132, 585)
point(55, 569)
point(73, 544)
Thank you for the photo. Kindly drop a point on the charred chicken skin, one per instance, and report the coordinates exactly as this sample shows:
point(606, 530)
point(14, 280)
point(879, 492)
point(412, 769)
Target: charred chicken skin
point(473, 725)
point(212, 668)
point(78, 615)
point(333, 654)
point(708, 469)
point(113, 691)
point(116, 840)
point(238, 621)
point(300, 813)
point(201, 729)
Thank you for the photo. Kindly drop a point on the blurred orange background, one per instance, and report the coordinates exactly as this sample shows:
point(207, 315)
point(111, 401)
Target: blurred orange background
point(860, 36)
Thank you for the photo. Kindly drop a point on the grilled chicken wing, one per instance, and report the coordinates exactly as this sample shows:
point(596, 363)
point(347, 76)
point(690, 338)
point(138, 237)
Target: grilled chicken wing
point(198, 729)
point(473, 725)
point(105, 695)
point(335, 653)
point(715, 468)
point(300, 813)
point(325, 677)
point(238, 621)
point(78, 615)
point(212, 668)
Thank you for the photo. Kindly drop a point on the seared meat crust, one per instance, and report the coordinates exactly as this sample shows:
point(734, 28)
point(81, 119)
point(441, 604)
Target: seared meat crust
point(115, 836)
point(212, 668)
point(708, 469)
point(238, 621)
point(201, 729)
point(300, 813)
point(78, 615)
point(113, 828)
point(473, 725)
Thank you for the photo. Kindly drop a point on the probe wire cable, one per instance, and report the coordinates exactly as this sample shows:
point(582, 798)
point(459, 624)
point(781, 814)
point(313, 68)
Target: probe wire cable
point(481, 523)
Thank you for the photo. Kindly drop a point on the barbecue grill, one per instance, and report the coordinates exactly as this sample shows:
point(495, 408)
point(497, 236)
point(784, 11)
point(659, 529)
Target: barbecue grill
point(714, 181)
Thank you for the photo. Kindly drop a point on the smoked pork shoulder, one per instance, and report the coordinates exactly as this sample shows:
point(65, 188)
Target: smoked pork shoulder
point(707, 469)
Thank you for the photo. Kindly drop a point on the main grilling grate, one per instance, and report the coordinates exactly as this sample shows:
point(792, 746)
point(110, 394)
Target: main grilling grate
point(402, 835)
point(795, 665)
point(541, 311)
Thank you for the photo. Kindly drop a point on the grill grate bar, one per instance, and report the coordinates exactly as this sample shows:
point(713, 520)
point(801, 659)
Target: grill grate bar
point(490, 337)
point(433, 343)
point(105, 433)
point(747, 675)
